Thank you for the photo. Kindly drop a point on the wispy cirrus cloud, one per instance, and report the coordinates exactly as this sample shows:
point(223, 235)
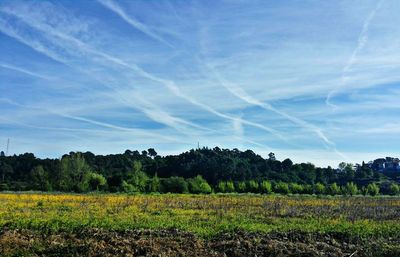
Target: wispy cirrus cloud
point(162, 74)
point(170, 85)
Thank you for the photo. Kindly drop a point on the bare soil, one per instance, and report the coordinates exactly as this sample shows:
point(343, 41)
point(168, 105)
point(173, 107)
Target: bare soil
point(177, 243)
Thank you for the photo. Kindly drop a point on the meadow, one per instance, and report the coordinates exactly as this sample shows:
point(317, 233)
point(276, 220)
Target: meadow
point(206, 216)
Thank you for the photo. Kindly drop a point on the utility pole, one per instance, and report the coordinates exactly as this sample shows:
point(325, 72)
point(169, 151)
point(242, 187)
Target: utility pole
point(8, 145)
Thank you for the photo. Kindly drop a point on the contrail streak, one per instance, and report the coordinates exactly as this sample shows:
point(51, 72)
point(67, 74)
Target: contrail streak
point(151, 113)
point(362, 41)
point(170, 85)
point(22, 70)
point(86, 120)
point(117, 9)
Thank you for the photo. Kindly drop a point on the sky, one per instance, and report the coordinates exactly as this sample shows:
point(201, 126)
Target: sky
point(315, 81)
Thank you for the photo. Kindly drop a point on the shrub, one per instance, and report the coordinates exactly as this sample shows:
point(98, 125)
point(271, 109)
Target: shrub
point(174, 185)
point(372, 189)
point(282, 188)
point(334, 189)
point(394, 189)
point(241, 187)
point(3, 187)
point(127, 188)
point(350, 189)
point(308, 189)
point(155, 184)
point(319, 189)
point(230, 187)
point(96, 181)
point(137, 178)
point(253, 186)
point(296, 188)
point(221, 187)
point(198, 185)
point(266, 187)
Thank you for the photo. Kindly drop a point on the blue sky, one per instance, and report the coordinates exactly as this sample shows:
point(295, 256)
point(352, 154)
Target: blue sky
point(314, 81)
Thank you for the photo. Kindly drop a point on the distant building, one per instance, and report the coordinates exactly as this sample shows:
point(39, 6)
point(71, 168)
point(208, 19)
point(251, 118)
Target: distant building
point(379, 164)
point(388, 164)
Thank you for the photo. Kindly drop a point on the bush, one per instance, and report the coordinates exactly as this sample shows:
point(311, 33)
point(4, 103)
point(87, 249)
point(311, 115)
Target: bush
point(334, 189)
point(350, 189)
point(308, 189)
point(154, 184)
point(282, 188)
point(319, 189)
point(198, 185)
point(127, 188)
point(266, 187)
point(221, 187)
point(394, 189)
point(137, 178)
point(230, 187)
point(241, 187)
point(3, 187)
point(174, 185)
point(372, 189)
point(96, 181)
point(296, 188)
point(253, 186)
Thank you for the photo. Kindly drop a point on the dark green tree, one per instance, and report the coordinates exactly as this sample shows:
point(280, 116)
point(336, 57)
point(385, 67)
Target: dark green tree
point(73, 173)
point(174, 185)
point(137, 178)
point(40, 179)
point(96, 181)
point(155, 184)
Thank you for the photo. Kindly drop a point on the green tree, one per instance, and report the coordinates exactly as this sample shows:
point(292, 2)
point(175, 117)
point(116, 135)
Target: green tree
point(350, 189)
point(266, 187)
point(308, 189)
point(334, 189)
point(174, 185)
point(127, 188)
point(282, 188)
point(241, 186)
point(253, 186)
point(319, 189)
point(155, 184)
point(230, 187)
point(373, 189)
point(138, 178)
point(96, 181)
point(73, 172)
point(221, 187)
point(40, 179)
point(152, 153)
point(394, 189)
point(198, 185)
point(296, 188)
point(5, 171)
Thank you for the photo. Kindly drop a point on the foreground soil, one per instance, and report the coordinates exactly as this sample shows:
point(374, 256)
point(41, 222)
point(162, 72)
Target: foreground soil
point(178, 243)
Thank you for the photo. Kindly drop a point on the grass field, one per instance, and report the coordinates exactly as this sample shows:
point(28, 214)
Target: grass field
point(206, 216)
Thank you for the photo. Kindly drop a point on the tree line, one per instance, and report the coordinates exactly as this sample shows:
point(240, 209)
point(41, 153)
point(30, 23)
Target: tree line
point(202, 170)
